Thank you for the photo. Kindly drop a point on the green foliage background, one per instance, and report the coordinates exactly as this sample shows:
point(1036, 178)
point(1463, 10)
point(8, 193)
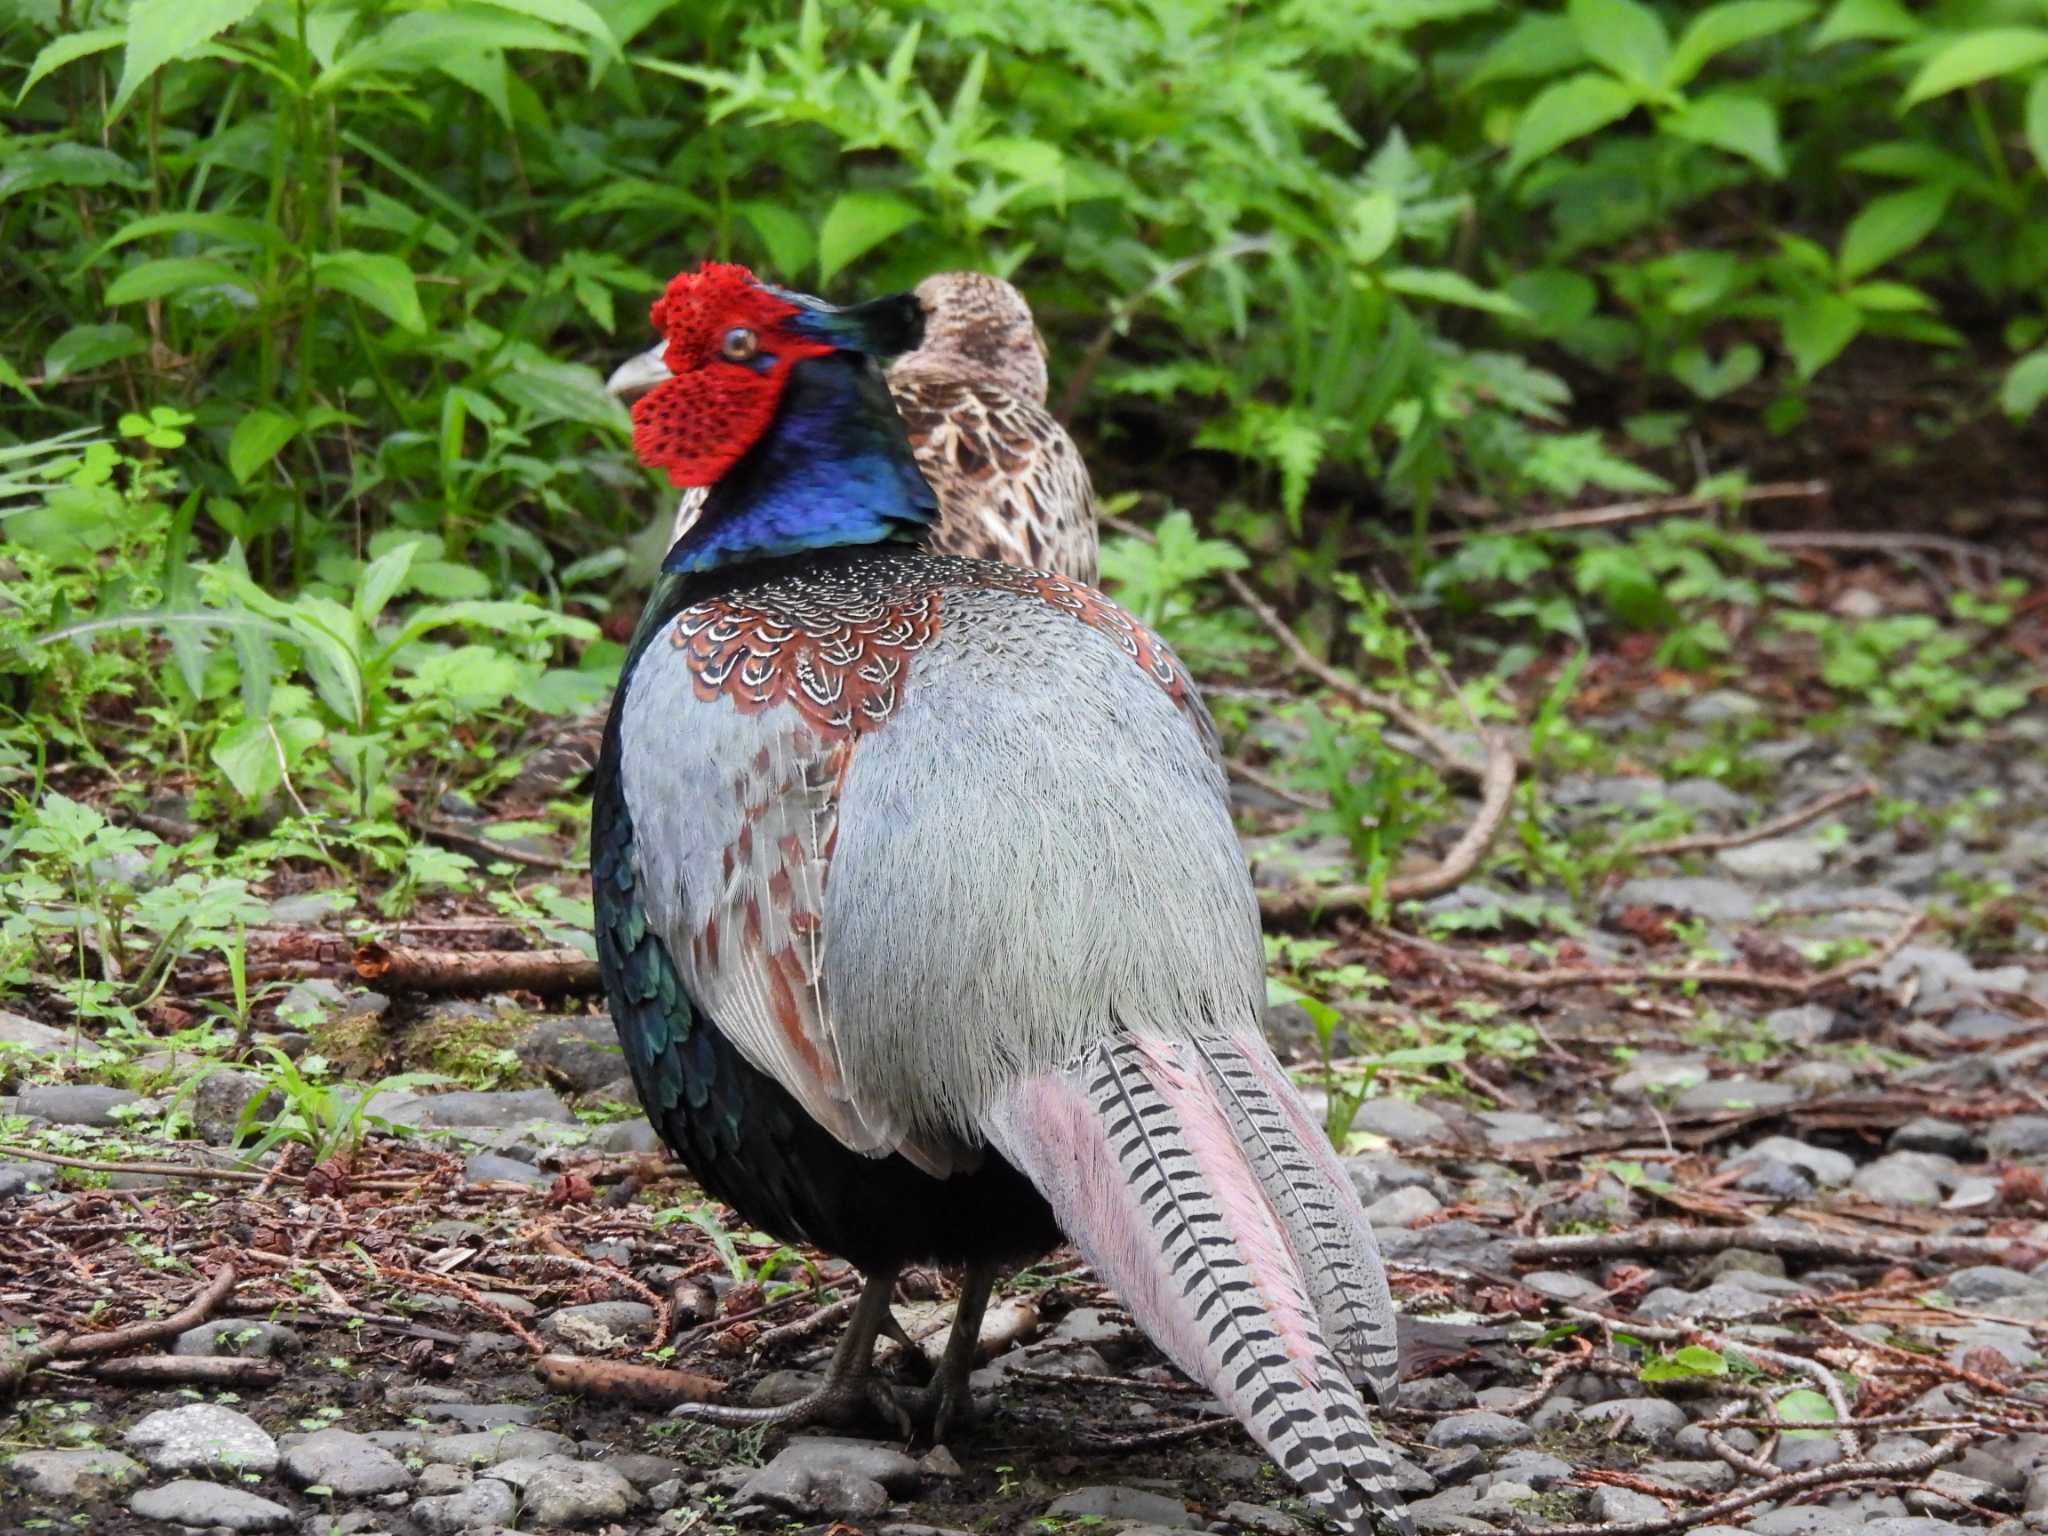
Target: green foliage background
point(307, 458)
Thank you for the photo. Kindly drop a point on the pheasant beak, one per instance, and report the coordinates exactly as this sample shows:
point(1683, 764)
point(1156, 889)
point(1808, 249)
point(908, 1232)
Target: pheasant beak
point(636, 375)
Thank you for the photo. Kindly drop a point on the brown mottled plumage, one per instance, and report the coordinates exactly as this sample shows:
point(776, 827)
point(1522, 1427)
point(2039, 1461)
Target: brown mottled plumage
point(1010, 482)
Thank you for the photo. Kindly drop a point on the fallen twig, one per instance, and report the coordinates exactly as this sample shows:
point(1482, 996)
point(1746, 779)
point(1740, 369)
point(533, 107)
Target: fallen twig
point(484, 970)
point(1709, 842)
point(187, 1371)
point(1636, 976)
point(1803, 1242)
point(192, 1171)
point(622, 1381)
point(17, 1368)
point(1886, 541)
point(1497, 788)
point(1639, 511)
point(474, 842)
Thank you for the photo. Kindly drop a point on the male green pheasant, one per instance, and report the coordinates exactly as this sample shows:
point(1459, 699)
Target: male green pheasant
point(876, 1008)
point(1010, 483)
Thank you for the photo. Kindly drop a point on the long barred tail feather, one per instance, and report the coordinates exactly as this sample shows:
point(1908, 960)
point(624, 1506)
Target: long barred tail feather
point(1319, 1210)
point(1141, 1150)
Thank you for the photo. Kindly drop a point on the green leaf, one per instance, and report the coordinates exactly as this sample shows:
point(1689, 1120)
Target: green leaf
point(255, 754)
point(1448, 287)
point(383, 282)
point(1742, 125)
point(381, 580)
point(1721, 27)
point(1889, 299)
point(1569, 110)
point(10, 378)
point(1855, 21)
point(1692, 1363)
point(257, 439)
point(1627, 37)
point(161, 30)
point(573, 14)
point(1979, 55)
point(856, 224)
point(67, 49)
point(1375, 222)
point(2026, 386)
point(1711, 380)
point(1805, 1406)
point(1889, 226)
point(1534, 47)
point(227, 228)
point(63, 165)
point(85, 347)
point(2037, 122)
point(784, 233)
point(168, 275)
point(427, 40)
point(1816, 330)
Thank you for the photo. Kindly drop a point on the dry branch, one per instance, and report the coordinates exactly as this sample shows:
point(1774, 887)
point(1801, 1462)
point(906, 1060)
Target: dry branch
point(1637, 976)
point(621, 1381)
point(17, 1368)
point(1497, 788)
point(1710, 842)
point(1640, 511)
point(1873, 1248)
point(481, 970)
point(188, 1371)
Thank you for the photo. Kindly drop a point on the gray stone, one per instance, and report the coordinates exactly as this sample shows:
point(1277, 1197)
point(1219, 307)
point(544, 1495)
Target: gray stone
point(1651, 1419)
point(1912, 1525)
point(220, 1100)
point(1435, 1394)
point(1109, 1502)
point(479, 1415)
point(1801, 1520)
point(202, 1437)
point(1980, 1024)
point(1774, 861)
point(1946, 1490)
point(1535, 1469)
point(1801, 1449)
point(1693, 1476)
point(1721, 901)
point(1257, 1517)
point(72, 1474)
point(1735, 1093)
point(561, 1491)
point(345, 1464)
point(1768, 1176)
point(628, 1137)
point(1722, 1300)
point(494, 1168)
point(1807, 1024)
point(18, 1179)
point(580, 1052)
point(1617, 1504)
point(483, 1503)
point(1561, 1285)
point(2015, 1344)
point(863, 1458)
point(252, 1338)
point(1399, 1120)
point(1826, 1166)
point(598, 1325)
point(1720, 706)
point(2035, 1499)
point(644, 1471)
point(38, 1039)
point(1650, 1071)
point(1507, 1126)
point(211, 1506)
point(1898, 1178)
point(73, 1103)
point(1812, 1078)
point(1704, 795)
point(1093, 1328)
point(2017, 1137)
point(1465, 1244)
point(1477, 1428)
point(1403, 1208)
point(1991, 1282)
point(488, 1447)
point(471, 1107)
point(1931, 1133)
point(1742, 1261)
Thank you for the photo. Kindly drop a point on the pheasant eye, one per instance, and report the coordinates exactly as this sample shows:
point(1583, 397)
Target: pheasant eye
point(739, 344)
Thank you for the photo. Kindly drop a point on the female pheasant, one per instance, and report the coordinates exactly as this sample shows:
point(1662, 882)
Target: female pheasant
point(875, 1008)
point(1011, 485)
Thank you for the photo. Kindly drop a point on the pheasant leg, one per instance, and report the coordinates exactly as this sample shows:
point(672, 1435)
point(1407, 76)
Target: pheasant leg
point(849, 1390)
point(946, 1400)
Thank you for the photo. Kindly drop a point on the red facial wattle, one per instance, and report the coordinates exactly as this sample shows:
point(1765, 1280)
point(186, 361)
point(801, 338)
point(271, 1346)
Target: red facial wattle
point(697, 424)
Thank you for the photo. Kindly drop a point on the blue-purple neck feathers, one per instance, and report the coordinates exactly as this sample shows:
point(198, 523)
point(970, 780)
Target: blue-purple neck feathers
point(833, 468)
